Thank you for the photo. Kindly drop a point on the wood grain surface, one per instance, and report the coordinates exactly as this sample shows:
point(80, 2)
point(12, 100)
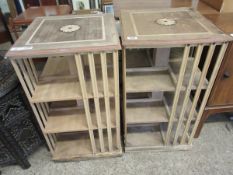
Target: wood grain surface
point(44, 38)
point(141, 30)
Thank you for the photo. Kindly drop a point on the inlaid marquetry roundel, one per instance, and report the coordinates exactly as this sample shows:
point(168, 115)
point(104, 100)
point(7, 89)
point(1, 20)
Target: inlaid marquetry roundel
point(69, 28)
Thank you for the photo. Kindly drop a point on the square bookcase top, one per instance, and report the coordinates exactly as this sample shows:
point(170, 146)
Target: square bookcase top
point(166, 27)
point(59, 35)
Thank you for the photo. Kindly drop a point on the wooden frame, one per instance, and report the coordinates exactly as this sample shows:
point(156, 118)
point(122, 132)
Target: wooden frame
point(100, 120)
point(74, 96)
point(163, 99)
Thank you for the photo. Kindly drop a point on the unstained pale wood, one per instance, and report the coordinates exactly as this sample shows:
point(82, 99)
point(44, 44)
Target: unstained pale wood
point(66, 91)
point(151, 82)
point(85, 100)
point(106, 98)
point(96, 100)
point(188, 91)
point(146, 113)
point(197, 93)
point(74, 120)
point(189, 28)
point(179, 82)
point(177, 93)
point(80, 148)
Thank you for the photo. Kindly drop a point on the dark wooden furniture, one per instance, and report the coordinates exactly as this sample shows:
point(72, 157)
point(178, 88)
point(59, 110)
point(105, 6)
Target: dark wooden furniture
point(30, 3)
point(32, 12)
point(221, 97)
point(46, 2)
point(5, 35)
point(19, 135)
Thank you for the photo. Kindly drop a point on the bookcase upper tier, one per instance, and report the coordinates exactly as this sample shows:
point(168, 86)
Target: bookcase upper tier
point(174, 26)
point(59, 35)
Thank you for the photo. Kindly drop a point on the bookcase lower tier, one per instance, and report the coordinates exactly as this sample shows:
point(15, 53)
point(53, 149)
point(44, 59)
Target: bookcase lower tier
point(71, 146)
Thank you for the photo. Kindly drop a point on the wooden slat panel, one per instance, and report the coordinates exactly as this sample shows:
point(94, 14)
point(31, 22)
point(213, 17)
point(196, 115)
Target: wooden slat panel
point(33, 69)
point(207, 93)
point(79, 65)
point(27, 79)
point(44, 110)
point(30, 74)
point(106, 98)
point(42, 116)
point(198, 91)
point(96, 100)
point(26, 90)
point(188, 90)
point(177, 93)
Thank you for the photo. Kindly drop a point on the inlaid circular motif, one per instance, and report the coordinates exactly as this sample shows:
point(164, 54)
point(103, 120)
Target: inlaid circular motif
point(166, 21)
point(69, 28)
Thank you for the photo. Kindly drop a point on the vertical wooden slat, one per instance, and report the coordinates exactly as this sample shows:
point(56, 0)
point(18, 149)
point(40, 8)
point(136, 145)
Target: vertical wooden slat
point(124, 92)
point(177, 93)
point(117, 102)
point(44, 111)
point(33, 69)
point(188, 90)
point(47, 107)
point(198, 90)
point(54, 137)
point(29, 70)
point(106, 98)
point(43, 117)
point(85, 100)
point(207, 93)
point(41, 113)
point(27, 79)
point(26, 90)
point(96, 99)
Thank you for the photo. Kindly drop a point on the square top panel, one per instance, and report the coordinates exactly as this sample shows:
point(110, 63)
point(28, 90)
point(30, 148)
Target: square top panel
point(175, 26)
point(62, 35)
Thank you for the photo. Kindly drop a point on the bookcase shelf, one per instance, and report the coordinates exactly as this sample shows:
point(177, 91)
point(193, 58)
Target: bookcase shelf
point(168, 73)
point(75, 120)
point(79, 147)
point(148, 82)
point(144, 113)
point(72, 83)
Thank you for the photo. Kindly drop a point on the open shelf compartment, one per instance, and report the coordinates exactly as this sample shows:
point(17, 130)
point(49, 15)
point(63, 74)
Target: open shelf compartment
point(146, 137)
point(146, 108)
point(69, 116)
point(146, 82)
point(57, 78)
point(78, 146)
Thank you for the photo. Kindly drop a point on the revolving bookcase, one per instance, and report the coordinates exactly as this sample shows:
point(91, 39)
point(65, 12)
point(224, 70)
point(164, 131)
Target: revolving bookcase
point(68, 67)
point(170, 61)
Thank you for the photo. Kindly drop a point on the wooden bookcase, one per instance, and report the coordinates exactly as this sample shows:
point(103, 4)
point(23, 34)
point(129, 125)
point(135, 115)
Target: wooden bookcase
point(75, 93)
point(166, 82)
